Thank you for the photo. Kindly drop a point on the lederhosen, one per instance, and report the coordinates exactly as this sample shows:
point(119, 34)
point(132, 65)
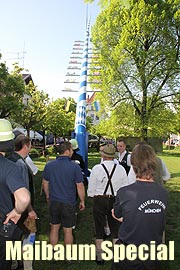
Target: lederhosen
point(103, 205)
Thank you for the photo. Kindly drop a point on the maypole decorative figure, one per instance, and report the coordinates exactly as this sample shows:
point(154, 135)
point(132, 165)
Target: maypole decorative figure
point(80, 123)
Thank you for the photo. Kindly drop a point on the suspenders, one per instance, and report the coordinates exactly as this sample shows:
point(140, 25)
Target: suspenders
point(109, 183)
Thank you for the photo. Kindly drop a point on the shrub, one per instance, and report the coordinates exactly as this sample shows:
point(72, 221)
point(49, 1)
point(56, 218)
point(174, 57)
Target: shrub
point(34, 153)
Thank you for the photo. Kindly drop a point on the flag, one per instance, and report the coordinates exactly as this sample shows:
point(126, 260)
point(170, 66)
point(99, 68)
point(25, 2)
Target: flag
point(97, 105)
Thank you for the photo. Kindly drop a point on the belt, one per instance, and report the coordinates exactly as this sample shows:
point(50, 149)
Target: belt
point(105, 196)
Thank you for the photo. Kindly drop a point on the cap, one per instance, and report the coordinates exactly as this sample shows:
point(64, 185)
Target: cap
point(74, 144)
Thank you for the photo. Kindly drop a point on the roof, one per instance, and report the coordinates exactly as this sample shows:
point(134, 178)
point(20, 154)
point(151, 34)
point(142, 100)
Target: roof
point(27, 78)
point(90, 100)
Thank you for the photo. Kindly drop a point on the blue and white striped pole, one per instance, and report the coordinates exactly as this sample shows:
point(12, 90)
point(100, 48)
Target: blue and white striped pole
point(80, 122)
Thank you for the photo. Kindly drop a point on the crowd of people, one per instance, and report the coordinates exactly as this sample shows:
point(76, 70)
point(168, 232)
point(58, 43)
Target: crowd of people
point(124, 187)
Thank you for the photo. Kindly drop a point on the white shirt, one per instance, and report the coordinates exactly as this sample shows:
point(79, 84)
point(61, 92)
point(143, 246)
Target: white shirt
point(165, 173)
point(115, 161)
point(98, 179)
point(31, 165)
point(131, 175)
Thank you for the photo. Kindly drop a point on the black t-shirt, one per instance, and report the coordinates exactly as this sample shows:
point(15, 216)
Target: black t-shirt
point(78, 159)
point(142, 206)
point(10, 180)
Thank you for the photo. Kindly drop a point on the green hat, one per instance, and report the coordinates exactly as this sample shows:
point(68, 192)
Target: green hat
point(74, 144)
point(6, 133)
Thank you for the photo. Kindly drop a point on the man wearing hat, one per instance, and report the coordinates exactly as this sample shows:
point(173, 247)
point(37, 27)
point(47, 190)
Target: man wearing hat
point(105, 180)
point(75, 156)
point(11, 184)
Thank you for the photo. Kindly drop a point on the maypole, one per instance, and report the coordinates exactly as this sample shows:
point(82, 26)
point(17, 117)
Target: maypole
point(80, 122)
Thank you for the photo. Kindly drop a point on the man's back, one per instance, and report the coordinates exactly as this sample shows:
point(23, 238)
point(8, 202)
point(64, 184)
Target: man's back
point(62, 175)
point(145, 203)
point(61, 178)
point(98, 178)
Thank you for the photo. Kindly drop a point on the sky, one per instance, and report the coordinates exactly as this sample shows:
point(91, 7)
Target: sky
point(39, 35)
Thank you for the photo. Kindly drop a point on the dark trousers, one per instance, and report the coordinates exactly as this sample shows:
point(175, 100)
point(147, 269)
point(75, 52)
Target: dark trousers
point(4, 264)
point(102, 206)
point(136, 265)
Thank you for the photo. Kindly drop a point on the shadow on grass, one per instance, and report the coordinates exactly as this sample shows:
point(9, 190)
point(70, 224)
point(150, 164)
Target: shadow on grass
point(172, 154)
point(174, 175)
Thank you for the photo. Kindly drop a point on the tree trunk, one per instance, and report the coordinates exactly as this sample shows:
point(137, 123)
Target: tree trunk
point(44, 140)
point(144, 132)
point(28, 131)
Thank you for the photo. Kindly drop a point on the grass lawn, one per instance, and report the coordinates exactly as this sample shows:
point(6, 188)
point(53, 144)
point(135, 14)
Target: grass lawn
point(84, 232)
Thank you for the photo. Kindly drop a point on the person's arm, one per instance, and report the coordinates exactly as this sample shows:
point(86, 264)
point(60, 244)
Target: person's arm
point(45, 186)
point(81, 194)
point(92, 184)
point(165, 173)
point(22, 200)
point(113, 215)
point(129, 160)
point(31, 213)
point(131, 176)
point(117, 211)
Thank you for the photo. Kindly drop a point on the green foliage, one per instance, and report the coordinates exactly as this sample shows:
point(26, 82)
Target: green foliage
point(88, 1)
point(11, 91)
point(34, 108)
point(120, 122)
point(89, 124)
point(58, 121)
point(177, 115)
point(50, 151)
point(139, 58)
point(105, 3)
point(34, 153)
point(162, 122)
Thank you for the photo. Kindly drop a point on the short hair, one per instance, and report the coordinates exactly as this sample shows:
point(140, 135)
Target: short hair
point(143, 160)
point(121, 140)
point(63, 146)
point(20, 141)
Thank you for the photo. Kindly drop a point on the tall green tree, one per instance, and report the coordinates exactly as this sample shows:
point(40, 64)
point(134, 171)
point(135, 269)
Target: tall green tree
point(59, 120)
point(139, 55)
point(12, 89)
point(34, 108)
point(177, 115)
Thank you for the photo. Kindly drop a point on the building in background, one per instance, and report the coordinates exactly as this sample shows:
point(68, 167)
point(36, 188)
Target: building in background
point(92, 108)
